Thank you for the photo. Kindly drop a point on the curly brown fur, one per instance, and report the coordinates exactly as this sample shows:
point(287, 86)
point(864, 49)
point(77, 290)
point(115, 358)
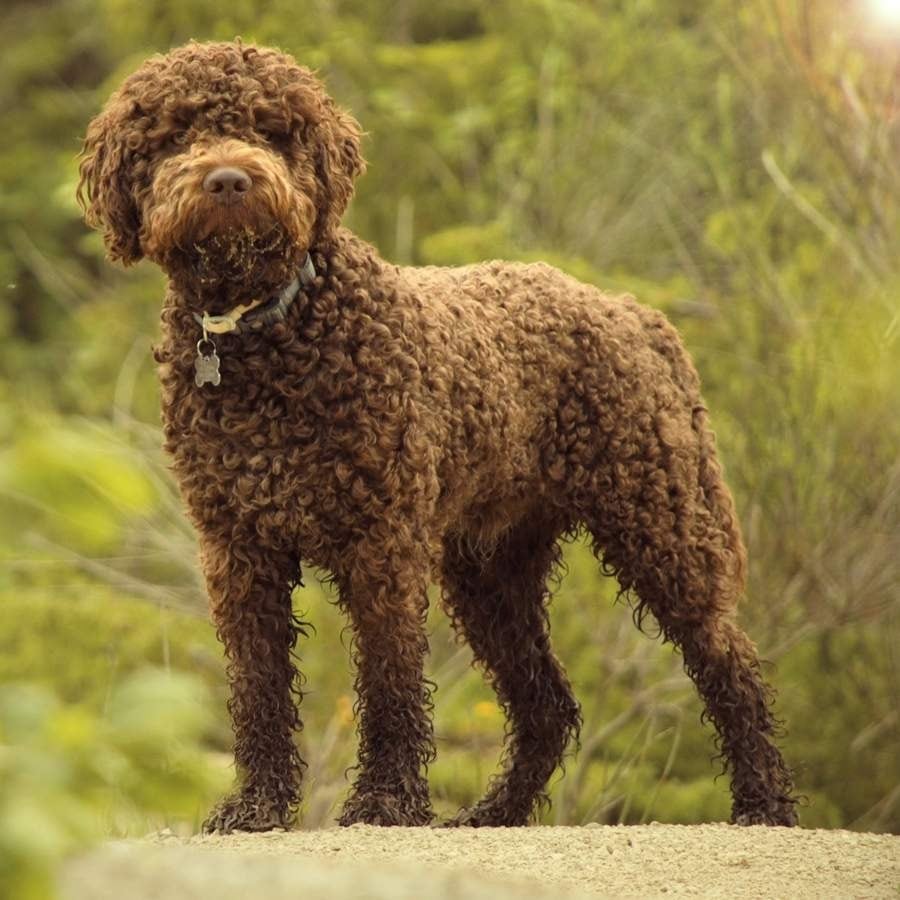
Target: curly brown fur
point(259, 634)
point(499, 605)
point(404, 424)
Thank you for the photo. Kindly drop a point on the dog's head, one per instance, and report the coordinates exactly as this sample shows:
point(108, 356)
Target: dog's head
point(215, 146)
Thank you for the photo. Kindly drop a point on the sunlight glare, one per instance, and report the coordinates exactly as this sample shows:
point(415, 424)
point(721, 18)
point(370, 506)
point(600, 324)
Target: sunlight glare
point(887, 11)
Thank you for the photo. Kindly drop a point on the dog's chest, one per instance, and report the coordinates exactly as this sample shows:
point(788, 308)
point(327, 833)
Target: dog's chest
point(239, 446)
point(291, 461)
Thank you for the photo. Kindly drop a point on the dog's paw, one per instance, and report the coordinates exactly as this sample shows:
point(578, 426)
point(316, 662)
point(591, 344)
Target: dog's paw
point(380, 808)
point(488, 815)
point(248, 811)
point(782, 814)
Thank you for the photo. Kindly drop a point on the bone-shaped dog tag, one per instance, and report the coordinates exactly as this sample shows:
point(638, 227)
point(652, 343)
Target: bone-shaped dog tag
point(206, 365)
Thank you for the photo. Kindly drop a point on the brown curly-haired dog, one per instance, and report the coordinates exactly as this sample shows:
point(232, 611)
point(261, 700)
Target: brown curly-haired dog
point(391, 425)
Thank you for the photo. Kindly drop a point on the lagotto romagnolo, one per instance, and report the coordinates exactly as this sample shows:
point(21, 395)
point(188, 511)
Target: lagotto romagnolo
point(395, 426)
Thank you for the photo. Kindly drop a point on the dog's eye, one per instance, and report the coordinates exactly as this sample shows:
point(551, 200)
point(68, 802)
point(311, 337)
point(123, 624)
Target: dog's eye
point(178, 138)
point(274, 137)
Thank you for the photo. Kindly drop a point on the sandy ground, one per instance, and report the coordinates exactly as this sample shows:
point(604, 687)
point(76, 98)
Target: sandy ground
point(494, 864)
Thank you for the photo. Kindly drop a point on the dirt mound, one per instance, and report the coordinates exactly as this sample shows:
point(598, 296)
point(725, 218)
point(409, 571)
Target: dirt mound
point(495, 863)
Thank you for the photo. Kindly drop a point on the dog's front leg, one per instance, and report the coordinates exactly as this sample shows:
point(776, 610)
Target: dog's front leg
point(250, 598)
point(384, 594)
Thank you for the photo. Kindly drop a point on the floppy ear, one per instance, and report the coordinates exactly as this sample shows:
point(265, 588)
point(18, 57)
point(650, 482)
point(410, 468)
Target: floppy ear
point(339, 163)
point(104, 188)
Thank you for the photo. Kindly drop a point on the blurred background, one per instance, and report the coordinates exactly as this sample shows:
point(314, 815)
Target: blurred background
point(734, 164)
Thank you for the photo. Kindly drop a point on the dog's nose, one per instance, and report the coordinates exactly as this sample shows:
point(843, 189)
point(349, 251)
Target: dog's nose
point(227, 183)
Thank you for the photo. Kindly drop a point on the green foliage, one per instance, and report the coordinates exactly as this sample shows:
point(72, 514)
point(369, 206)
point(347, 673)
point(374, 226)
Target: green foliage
point(733, 164)
point(80, 641)
point(68, 773)
point(77, 480)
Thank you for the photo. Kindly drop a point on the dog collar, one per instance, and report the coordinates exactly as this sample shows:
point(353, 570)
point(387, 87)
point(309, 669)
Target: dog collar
point(259, 314)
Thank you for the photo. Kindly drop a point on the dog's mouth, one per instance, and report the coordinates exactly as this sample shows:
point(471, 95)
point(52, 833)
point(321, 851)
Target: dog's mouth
point(235, 252)
point(235, 214)
point(242, 261)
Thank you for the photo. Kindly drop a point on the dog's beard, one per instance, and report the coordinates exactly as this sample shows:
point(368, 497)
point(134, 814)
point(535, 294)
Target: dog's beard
point(242, 261)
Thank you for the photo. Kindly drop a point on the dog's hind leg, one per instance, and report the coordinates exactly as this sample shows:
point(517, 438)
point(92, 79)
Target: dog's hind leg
point(250, 597)
point(666, 526)
point(498, 604)
point(723, 664)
